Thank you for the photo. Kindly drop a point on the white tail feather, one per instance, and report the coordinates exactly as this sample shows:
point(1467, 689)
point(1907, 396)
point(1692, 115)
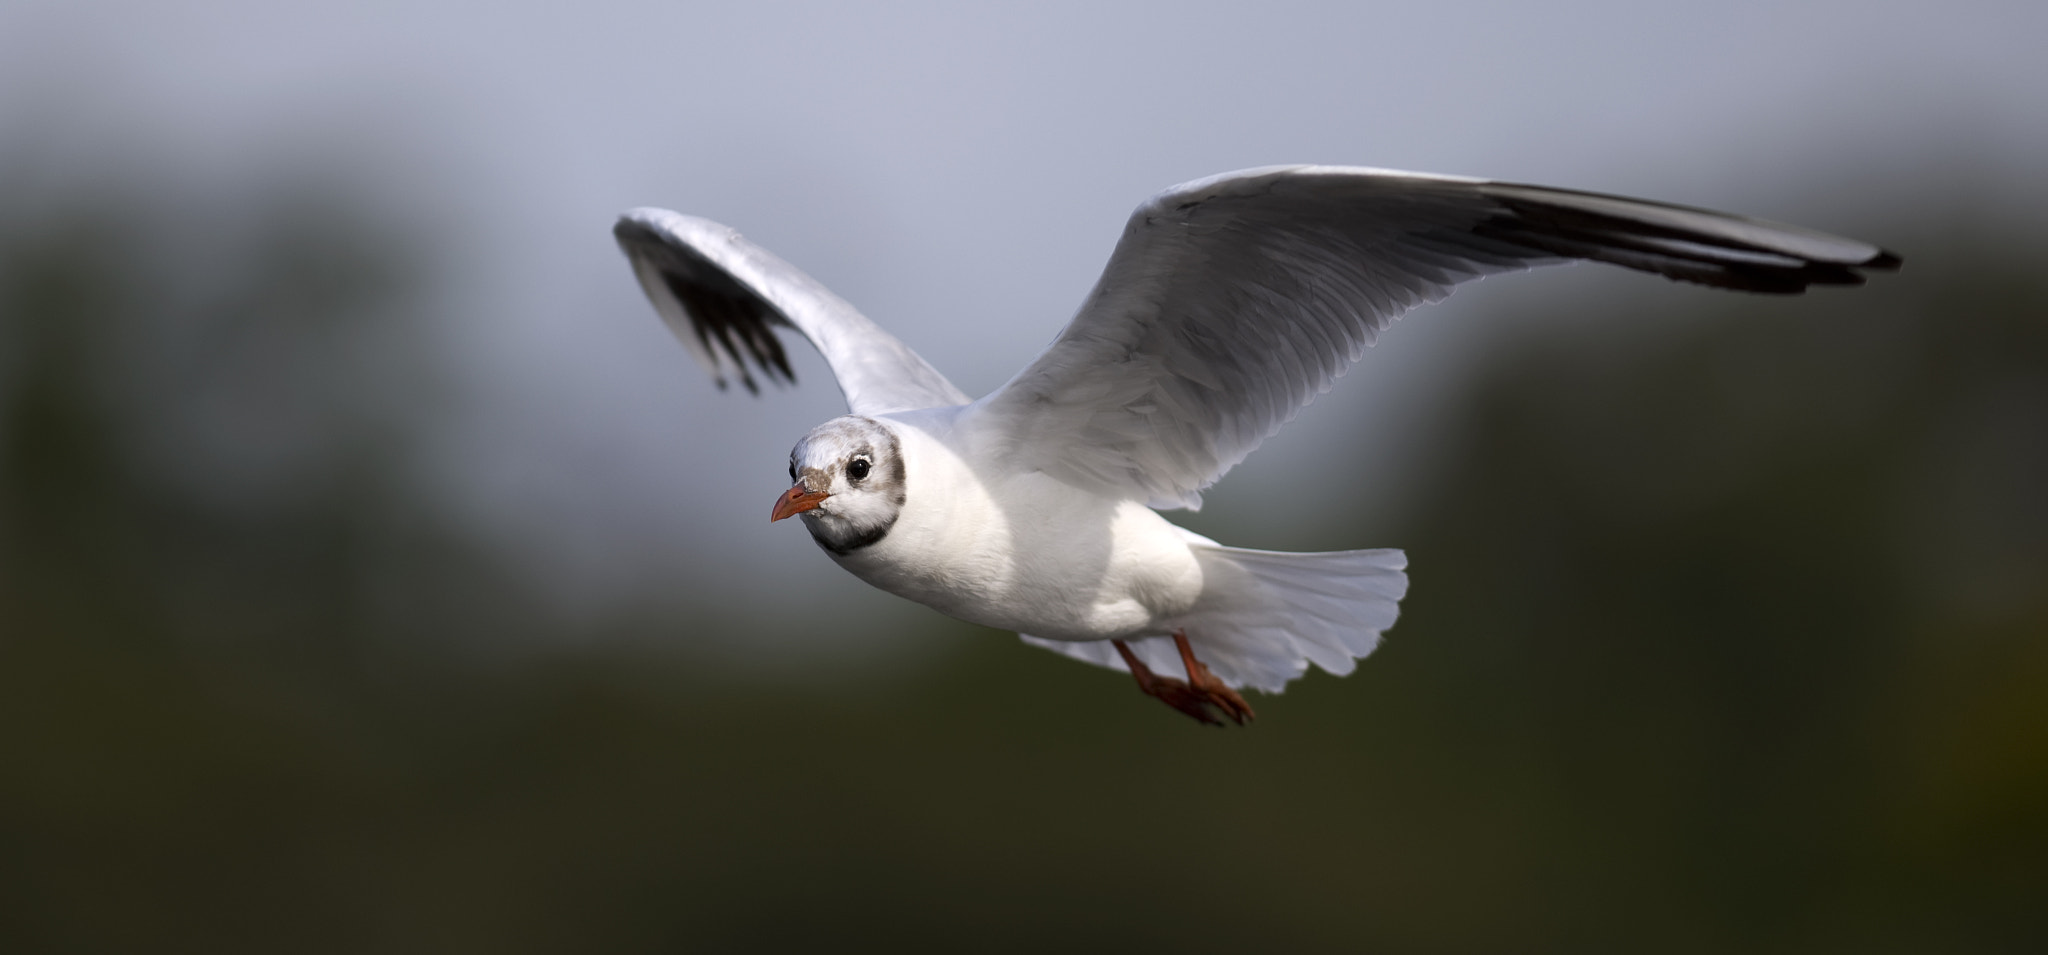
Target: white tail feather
point(1264, 616)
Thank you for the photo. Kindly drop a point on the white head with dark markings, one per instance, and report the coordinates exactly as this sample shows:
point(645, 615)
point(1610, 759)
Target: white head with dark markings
point(849, 483)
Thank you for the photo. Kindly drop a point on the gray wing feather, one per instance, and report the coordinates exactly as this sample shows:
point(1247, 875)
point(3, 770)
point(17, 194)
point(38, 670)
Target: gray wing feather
point(724, 296)
point(1231, 302)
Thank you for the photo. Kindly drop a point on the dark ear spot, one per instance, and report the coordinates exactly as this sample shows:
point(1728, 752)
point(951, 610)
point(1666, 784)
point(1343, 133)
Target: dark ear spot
point(898, 474)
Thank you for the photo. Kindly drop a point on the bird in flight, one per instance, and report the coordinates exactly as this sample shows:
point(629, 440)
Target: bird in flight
point(1228, 305)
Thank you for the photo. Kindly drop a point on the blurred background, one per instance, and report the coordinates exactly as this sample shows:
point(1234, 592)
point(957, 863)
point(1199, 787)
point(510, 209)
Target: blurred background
point(377, 575)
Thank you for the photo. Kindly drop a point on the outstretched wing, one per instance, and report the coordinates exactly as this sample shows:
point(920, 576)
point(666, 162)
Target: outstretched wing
point(723, 296)
point(1231, 302)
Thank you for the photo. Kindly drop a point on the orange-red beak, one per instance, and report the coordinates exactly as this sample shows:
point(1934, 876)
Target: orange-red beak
point(795, 501)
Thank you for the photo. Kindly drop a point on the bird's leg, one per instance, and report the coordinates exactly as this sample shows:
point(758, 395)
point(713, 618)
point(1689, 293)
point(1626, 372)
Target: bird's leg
point(1194, 697)
point(1170, 691)
point(1212, 689)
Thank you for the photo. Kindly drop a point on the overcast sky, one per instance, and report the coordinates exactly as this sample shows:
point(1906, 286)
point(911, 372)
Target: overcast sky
point(960, 171)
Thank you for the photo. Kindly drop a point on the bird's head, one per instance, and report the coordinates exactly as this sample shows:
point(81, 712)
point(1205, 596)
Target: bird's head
point(849, 486)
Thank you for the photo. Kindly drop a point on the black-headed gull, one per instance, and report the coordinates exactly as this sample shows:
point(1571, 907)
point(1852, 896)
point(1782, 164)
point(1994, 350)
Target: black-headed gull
point(1229, 304)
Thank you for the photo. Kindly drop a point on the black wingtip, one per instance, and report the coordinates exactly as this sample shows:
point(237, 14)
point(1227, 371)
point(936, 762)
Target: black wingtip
point(1671, 250)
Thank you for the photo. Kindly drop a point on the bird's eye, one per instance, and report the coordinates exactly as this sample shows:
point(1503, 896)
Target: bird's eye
point(858, 469)
point(792, 472)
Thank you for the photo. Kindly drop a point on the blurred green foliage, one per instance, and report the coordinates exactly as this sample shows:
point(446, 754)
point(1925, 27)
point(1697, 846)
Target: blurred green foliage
point(1733, 637)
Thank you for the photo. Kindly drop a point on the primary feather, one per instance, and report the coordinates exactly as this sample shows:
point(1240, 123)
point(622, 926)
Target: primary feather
point(723, 295)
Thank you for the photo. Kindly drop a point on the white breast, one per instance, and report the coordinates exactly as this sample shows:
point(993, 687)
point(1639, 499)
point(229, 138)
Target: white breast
point(1024, 552)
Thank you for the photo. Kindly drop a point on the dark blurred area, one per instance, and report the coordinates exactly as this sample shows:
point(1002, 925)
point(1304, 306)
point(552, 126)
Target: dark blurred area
point(1729, 633)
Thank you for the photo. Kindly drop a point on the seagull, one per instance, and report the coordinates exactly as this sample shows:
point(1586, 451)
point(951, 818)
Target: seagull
point(1229, 303)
